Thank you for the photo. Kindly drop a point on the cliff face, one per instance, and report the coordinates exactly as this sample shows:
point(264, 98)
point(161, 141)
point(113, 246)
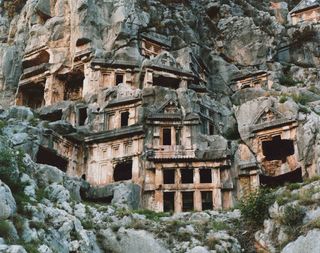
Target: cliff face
point(163, 105)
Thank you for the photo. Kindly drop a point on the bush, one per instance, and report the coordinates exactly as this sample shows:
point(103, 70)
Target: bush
point(254, 207)
point(287, 80)
point(300, 99)
point(293, 186)
point(5, 231)
point(293, 215)
point(283, 99)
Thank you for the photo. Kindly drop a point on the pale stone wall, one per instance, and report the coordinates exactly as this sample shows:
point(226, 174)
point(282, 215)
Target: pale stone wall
point(312, 15)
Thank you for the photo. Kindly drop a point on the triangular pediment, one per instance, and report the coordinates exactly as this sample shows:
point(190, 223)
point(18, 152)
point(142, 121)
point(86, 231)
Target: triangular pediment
point(169, 107)
point(165, 59)
point(304, 4)
point(267, 115)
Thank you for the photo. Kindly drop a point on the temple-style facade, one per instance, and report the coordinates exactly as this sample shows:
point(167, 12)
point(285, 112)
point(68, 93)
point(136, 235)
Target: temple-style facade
point(114, 121)
point(306, 11)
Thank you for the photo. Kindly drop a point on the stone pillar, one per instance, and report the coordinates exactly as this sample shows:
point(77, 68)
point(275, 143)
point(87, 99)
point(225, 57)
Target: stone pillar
point(197, 200)
point(148, 78)
point(183, 83)
point(53, 90)
point(135, 169)
point(196, 176)
point(158, 199)
point(109, 171)
point(178, 202)
point(128, 77)
point(158, 177)
point(217, 198)
point(216, 192)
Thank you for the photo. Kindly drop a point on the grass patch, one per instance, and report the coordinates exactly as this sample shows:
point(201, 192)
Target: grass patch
point(287, 80)
point(300, 99)
point(219, 225)
point(293, 186)
point(151, 215)
point(283, 99)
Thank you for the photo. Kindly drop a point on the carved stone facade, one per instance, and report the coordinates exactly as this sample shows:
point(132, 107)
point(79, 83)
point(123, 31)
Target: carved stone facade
point(120, 121)
point(306, 11)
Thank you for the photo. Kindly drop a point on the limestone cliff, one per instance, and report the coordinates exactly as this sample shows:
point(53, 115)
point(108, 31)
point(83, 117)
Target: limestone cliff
point(170, 106)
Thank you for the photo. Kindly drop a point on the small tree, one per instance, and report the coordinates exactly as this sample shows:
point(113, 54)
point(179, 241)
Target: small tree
point(254, 207)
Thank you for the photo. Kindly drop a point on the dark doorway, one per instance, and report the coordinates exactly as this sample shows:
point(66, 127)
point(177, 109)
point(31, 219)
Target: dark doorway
point(187, 201)
point(123, 171)
point(49, 157)
point(205, 175)
point(82, 116)
point(53, 116)
point(168, 201)
point(73, 86)
point(119, 78)
point(165, 81)
point(211, 129)
point(206, 200)
point(169, 176)
point(33, 96)
point(277, 149)
point(166, 136)
point(124, 119)
point(186, 176)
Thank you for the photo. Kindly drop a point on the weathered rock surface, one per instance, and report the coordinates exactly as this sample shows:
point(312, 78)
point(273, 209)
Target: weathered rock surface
point(7, 203)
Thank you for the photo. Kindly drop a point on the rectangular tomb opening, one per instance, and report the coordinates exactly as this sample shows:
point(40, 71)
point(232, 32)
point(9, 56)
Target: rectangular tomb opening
point(187, 201)
point(119, 78)
point(165, 81)
point(169, 176)
point(73, 86)
point(206, 200)
point(52, 116)
point(277, 149)
point(123, 171)
point(49, 157)
point(82, 116)
point(205, 176)
point(124, 119)
point(166, 136)
point(186, 176)
point(168, 201)
point(32, 96)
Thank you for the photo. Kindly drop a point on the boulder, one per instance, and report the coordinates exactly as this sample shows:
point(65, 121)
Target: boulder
point(7, 204)
point(47, 174)
point(309, 243)
point(127, 195)
point(20, 113)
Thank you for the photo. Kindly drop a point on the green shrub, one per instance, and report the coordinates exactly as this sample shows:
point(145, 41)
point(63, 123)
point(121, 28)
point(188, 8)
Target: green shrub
point(283, 99)
point(183, 236)
point(300, 99)
point(293, 186)
point(87, 224)
point(5, 231)
point(293, 215)
point(287, 80)
point(219, 225)
point(254, 206)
